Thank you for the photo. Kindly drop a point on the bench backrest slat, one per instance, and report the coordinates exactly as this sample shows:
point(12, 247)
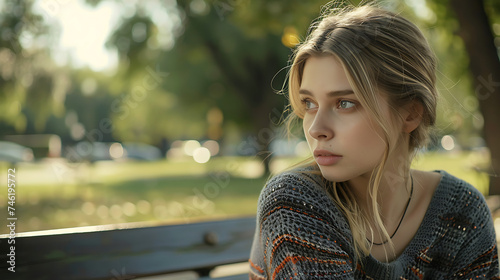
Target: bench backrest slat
point(131, 252)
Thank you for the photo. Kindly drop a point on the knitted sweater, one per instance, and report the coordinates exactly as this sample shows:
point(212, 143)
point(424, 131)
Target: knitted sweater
point(302, 234)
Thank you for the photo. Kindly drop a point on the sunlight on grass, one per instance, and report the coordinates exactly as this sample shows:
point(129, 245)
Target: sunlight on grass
point(464, 165)
point(169, 191)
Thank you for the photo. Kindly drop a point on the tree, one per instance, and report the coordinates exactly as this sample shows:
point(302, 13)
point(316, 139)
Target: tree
point(227, 55)
point(30, 84)
point(218, 64)
point(144, 110)
point(475, 31)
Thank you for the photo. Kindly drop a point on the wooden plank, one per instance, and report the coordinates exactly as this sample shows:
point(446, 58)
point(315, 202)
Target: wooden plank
point(127, 253)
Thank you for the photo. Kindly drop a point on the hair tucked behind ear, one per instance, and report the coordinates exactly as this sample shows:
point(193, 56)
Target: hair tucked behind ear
point(382, 53)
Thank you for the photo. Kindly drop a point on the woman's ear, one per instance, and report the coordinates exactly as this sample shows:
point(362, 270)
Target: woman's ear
point(412, 116)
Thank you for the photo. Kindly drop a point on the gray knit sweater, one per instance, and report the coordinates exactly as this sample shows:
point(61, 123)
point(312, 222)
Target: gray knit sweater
point(301, 234)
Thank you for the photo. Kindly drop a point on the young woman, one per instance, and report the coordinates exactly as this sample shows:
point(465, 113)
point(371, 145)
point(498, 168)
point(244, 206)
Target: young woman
point(363, 83)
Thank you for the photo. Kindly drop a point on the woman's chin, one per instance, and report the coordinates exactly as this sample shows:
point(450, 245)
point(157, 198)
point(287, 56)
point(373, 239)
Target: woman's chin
point(333, 175)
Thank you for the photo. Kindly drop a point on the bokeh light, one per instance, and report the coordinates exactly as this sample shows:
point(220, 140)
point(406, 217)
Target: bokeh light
point(129, 209)
point(212, 146)
point(290, 37)
point(201, 155)
point(302, 149)
point(190, 146)
point(88, 208)
point(116, 151)
point(448, 143)
point(143, 207)
point(115, 211)
point(102, 211)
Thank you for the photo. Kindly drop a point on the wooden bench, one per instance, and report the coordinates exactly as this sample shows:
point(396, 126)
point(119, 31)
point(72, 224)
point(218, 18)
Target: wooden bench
point(129, 252)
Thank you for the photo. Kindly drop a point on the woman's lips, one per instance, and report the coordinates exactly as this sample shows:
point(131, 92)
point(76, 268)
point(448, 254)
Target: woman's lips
point(324, 157)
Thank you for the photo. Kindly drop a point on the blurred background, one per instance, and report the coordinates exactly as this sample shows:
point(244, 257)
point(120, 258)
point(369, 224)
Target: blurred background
point(168, 111)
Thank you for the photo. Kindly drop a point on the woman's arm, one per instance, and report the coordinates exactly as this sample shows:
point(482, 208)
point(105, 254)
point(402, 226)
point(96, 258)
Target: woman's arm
point(300, 233)
point(478, 257)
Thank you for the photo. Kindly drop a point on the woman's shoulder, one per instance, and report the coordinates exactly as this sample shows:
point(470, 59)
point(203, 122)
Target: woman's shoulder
point(304, 182)
point(458, 187)
point(459, 196)
point(301, 189)
point(459, 228)
point(297, 176)
point(298, 201)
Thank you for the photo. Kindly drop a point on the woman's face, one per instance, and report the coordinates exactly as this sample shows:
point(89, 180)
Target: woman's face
point(344, 139)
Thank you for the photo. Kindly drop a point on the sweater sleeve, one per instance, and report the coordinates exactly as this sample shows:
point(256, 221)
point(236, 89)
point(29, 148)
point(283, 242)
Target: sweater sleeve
point(478, 256)
point(300, 233)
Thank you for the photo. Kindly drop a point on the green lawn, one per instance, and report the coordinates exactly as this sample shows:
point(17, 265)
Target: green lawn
point(107, 193)
point(164, 191)
point(463, 165)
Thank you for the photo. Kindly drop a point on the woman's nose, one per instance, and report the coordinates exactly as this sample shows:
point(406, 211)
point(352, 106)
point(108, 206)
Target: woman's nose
point(321, 127)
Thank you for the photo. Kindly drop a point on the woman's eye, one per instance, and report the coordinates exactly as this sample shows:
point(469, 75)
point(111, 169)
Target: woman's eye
point(345, 104)
point(308, 104)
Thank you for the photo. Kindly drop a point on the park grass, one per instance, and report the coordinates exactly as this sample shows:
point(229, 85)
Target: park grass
point(179, 191)
point(464, 165)
point(163, 191)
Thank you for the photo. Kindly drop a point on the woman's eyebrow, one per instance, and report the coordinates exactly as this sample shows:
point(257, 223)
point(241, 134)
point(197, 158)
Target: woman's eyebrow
point(329, 94)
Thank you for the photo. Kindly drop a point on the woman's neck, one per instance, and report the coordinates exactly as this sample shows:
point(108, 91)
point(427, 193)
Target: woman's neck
point(392, 194)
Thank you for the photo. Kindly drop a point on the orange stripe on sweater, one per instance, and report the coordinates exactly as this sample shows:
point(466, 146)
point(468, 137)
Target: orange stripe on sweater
point(253, 276)
point(295, 259)
point(287, 237)
point(256, 266)
point(287, 208)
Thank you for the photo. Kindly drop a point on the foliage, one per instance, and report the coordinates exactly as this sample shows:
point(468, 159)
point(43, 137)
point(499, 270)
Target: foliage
point(458, 112)
point(227, 56)
point(30, 84)
point(232, 54)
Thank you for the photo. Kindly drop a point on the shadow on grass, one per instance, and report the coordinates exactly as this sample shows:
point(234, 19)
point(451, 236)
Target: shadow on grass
point(185, 185)
point(163, 199)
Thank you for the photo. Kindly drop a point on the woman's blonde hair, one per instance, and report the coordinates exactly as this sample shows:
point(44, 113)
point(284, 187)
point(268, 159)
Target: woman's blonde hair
point(381, 53)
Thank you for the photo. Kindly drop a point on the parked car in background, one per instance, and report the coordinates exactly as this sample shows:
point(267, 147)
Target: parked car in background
point(141, 151)
point(12, 152)
point(90, 151)
point(99, 151)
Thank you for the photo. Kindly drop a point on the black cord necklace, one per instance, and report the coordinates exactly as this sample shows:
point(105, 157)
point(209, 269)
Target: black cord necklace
point(404, 213)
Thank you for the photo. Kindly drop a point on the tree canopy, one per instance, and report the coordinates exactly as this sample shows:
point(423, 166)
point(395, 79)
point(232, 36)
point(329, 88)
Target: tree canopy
point(214, 69)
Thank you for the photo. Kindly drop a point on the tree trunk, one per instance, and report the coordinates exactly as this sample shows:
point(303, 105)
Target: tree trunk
point(266, 118)
point(475, 31)
point(253, 87)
